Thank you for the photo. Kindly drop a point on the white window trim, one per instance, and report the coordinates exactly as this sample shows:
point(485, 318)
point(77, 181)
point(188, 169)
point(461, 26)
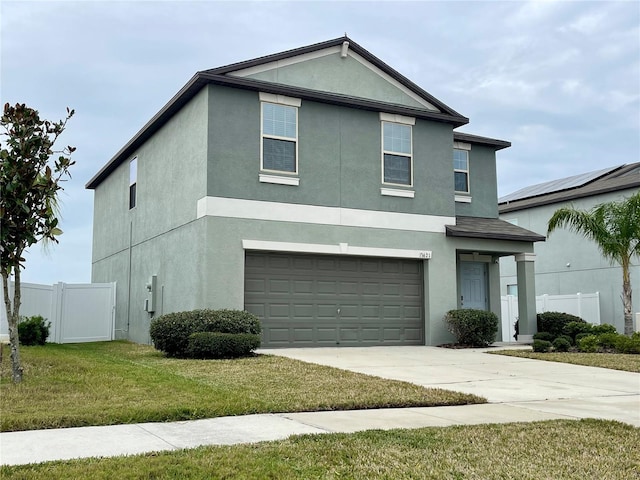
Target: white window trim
point(390, 152)
point(277, 100)
point(280, 99)
point(396, 192)
point(463, 198)
point(280, 180)
point(394, 118)
point(468, 191)
point(462, 146)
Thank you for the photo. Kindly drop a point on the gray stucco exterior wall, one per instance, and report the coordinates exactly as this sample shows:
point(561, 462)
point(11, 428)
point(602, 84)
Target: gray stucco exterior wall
point(129, 245)
point(567, 263)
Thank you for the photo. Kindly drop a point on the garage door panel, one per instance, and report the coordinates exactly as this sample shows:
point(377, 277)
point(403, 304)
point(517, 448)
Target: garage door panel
point(413, 334)
point(327, 334)
point(315, 300)
point(391, 290)
point(303, 286)
point(324, 287)
point(279, 311)
point(391, 334)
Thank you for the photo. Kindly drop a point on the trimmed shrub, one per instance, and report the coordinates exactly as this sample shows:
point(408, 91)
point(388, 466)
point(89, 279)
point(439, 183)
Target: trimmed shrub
point(33, 330)
point(541, 346)
point(568, 339)
point(170, 333)
point(554, 322)
point(561, 344)
point(221, 345)
point(574, 328)
point(588, 344)
point(475, 328)
point(580, 336)
point(544, 336)
point(604, 328)
point(626, 344)
point(608, 340)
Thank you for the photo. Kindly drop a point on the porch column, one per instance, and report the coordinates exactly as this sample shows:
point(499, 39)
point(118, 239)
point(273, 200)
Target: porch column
point(526, 275)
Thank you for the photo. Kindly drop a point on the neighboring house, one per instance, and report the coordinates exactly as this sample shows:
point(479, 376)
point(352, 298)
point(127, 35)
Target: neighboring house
point(318, 188)
point(567, 262)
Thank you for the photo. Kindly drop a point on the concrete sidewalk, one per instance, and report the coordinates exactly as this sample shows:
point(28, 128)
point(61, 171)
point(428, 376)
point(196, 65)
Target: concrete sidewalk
point(519, 390)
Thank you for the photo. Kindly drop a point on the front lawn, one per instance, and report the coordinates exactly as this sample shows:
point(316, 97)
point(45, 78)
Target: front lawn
point(559, 449)
point(119, 382)
point(615, 361)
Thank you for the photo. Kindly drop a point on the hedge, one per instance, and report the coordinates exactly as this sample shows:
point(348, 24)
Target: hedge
point(476, 328)
point(170, 333)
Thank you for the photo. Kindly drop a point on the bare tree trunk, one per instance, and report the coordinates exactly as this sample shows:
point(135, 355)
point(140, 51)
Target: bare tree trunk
point(627, 299)
point(13, 314)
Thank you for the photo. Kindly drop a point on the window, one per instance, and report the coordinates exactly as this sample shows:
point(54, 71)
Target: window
point(133, 178)
point(461, 170)
point(396, 154)
point(279, 137)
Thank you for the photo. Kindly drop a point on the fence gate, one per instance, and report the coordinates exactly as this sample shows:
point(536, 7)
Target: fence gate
point(77, 312)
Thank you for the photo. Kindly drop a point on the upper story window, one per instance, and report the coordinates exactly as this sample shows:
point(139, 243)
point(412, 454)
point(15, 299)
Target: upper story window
point(133, 180)
point(461, 170)
point(397, 149)
point(279, 138)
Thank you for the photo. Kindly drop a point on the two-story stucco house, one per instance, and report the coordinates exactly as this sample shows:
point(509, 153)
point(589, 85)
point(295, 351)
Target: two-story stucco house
point(317, 188)
point(569, 263)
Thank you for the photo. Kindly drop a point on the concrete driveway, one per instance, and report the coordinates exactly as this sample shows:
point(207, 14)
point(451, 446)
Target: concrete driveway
point(559, 389)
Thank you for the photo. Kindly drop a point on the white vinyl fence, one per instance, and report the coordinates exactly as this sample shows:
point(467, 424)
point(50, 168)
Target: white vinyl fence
point(583, 305)
point(77, 312)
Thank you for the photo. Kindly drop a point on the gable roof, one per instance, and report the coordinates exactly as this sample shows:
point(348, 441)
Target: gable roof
point(612, 179)
point(433, 110)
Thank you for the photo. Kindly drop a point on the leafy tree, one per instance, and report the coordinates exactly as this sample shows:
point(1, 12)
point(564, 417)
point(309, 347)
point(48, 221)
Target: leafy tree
point(615, 228)
point(29, 182)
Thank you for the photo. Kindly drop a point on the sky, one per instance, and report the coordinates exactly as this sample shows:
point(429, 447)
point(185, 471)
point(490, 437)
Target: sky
point(560, 80)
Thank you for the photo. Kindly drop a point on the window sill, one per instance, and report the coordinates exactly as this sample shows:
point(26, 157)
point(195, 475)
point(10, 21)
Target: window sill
point(280, 180)
point(463, 198)
point(396, 192)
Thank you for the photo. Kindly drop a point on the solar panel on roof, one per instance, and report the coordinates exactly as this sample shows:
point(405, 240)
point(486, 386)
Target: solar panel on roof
point(555, 185)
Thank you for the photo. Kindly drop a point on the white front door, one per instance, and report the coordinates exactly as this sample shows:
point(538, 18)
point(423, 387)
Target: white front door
point(473, 276)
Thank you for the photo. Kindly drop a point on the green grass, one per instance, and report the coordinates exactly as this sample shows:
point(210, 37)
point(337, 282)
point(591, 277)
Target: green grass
point(615, 361)
point(119, 382)
point(560, 449)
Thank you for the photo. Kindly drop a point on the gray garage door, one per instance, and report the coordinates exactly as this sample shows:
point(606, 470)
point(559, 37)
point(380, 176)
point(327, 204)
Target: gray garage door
point(321, 300)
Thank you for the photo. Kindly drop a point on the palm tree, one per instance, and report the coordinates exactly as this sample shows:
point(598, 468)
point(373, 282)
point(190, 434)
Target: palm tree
point(615, 228)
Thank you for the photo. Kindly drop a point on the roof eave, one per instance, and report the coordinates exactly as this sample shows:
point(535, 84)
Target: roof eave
point(186, 93)
point(476, 139)
point(525, 203)
point(451, 232)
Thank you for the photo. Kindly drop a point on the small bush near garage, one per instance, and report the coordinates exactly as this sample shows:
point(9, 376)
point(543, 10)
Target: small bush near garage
point(541, 346)
point(171, 333)
point(33, 330)
point(554, 322)
point(588, 344)
point(575, 328)
point(624, 344)
point(561, 344)
point(546, 336)
point(221, 345)
point(474, 328)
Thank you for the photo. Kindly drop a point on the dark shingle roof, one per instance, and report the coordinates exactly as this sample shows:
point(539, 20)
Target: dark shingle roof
point(491, 228)
point(611, 179)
